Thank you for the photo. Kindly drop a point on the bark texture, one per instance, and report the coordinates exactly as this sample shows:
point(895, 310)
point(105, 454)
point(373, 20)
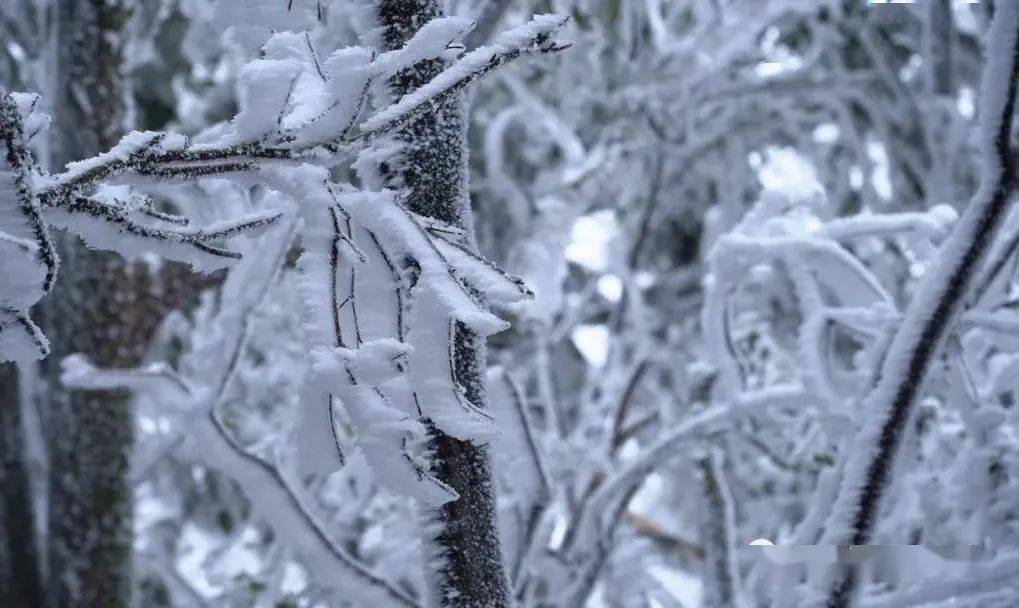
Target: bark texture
point(19, 575)
point(92, 310)
point(432, 171)
point(106, 308)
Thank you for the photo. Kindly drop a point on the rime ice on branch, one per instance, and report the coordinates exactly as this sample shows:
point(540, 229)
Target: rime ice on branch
point(295, 107)
point(935, 308)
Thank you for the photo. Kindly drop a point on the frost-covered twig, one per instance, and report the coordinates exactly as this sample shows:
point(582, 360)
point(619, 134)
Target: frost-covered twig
point(276, 499)
point(529, 39)
point(158, 155)
point(30, 259)
point(102, 219)
point(934, 309)
point(625, 403)
point(273, 494)
point(719, 534)
point(93, 217)
point(78, 372)
point(22, 165)
point(543, 493)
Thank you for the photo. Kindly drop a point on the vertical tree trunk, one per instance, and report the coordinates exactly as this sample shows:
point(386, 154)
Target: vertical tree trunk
point(939, 47)
point(467, 569)
point(19, 575)
point(939, 38)
point(92, 311)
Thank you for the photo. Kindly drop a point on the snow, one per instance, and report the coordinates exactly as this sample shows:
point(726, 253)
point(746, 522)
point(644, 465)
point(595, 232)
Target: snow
point(590, 240)
point(593, 343)
point(814, 182)
point(684, 587)
point(610, 287)
point(826, 133)
point(437, 38)
point(785, 170)
point(966, 103)
point(533, 36)
point(880, 176)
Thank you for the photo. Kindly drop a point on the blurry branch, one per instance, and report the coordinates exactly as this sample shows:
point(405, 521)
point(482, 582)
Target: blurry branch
point(766, 451)
point(533, 518)
point(638, 425)
point(520, 406)
point(276, 499)
point(647, 214)
point(15, 27)
point(625, 404)
point(649, 529)
point(774, 89)
point(579, 508)
point(719, 534)
point(1004, 253)
point(632, 474)
point(489, 19)
point(972, 585)
point(546, 389)
point(580, 590)
point(78, 371)
point(939, 37)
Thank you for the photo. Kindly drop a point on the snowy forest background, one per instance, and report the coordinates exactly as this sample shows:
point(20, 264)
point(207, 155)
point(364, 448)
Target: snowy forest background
point(490, 303)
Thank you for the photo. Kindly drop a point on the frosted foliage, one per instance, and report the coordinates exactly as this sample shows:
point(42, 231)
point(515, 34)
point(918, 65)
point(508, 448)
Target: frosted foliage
point(391, 363)
point(28, 257)
point(382, 290)
point(637, 304)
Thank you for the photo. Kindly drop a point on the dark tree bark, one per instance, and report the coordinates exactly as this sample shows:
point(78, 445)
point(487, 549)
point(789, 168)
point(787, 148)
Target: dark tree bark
point(432, 171)
point(106, 308)
point(19, 574)
point(940, 41)
point(92, 310)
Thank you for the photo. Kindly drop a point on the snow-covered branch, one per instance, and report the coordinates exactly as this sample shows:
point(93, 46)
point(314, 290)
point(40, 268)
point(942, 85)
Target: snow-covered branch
point(30, 258)
point(315, 118)
point(174, 157)
point(719, 534)
point(935, 308)
point(533, 38)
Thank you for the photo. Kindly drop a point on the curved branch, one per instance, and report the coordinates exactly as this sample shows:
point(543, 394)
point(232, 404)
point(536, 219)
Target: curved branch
point(934, 310)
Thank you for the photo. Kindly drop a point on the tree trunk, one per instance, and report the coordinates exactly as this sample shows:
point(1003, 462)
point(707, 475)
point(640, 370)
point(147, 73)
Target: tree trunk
point(465, 562)
point(19, 574)
point(90, 311)
point(106, 308)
